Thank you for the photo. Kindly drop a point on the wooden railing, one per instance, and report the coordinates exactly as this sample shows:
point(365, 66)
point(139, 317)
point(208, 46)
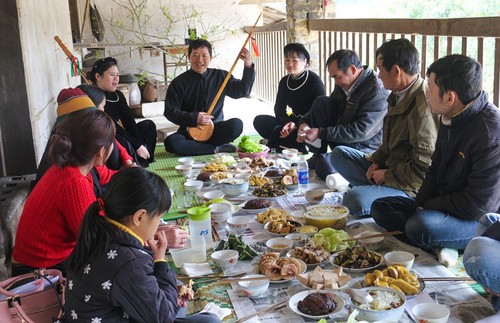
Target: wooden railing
point(475, 37)
point(269, 66)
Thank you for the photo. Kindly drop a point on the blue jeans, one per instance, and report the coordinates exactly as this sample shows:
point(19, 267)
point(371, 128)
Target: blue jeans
point(480, 254)
point(352, 165)
point(426, 229)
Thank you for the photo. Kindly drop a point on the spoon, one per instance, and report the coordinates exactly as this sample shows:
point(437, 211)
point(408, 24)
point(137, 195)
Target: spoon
point(359, 296)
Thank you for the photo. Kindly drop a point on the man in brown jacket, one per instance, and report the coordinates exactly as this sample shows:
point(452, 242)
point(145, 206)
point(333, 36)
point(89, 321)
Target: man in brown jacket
point(398, 166)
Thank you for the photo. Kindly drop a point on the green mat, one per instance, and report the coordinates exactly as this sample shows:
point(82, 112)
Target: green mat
point(165, 167)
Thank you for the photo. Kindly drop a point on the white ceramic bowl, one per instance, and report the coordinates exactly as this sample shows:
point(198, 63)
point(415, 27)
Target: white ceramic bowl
point(186, 161)
point(290, 153)
point(212, 195)
point(193, 186)
point(314, 196)
point(431, 312)
point(220, 212)
point(281, 245)
point(254, 288)
point(225, 258)
point(402, 258)
point(183, 169)
point(386, 315)
point(373, 244)
point(308, 230)
point(233, 187)
point(239, 223)
point(298, 239)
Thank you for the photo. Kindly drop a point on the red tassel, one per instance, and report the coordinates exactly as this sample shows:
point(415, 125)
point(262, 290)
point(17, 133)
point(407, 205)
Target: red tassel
point(255, 48)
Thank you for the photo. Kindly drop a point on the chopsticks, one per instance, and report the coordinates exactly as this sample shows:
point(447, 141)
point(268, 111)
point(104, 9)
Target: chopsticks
point(277, 306)
point(382, 234)
point(213, 276)
point(436, 279)
point(227, 281)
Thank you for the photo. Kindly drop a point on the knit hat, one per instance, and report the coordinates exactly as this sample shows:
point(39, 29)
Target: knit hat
point(70, 100)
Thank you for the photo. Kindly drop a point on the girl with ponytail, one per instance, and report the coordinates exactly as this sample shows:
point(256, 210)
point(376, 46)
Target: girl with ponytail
point(111, 275)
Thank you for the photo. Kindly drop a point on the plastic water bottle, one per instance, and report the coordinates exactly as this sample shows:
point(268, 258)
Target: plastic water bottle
point(303, 173)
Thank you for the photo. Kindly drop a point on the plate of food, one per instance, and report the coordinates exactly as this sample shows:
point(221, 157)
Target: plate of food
point(272, 214)
point(395, 277)
point(274, 173)
point(325, 279)
point(316, 305)
point(357, 259)
point(311, 254)
point(281, 227)
point(280, 269)
point(255, 181)
point(270, 191)
point(255, 206)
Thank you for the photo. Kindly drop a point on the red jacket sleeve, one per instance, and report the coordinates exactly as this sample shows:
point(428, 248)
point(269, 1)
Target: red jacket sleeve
point(105, 174)
point(124, 156)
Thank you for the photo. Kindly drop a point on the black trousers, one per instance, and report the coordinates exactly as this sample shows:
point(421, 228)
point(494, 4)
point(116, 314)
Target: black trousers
point(147, 133)
point(224, 132)
point(269, 128)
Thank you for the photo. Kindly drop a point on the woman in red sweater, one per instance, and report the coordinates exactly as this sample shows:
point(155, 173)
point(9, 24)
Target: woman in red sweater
point(51, 217)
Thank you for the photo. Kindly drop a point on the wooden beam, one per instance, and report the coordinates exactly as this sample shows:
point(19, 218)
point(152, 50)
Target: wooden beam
point(461, 27)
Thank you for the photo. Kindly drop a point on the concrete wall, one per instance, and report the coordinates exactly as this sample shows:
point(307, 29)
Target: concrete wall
point(33, 70)
point(46, 68)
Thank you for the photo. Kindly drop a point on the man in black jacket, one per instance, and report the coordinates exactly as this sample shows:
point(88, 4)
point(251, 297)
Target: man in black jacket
point(351, 116)
point(190, 95)
point(463, 182)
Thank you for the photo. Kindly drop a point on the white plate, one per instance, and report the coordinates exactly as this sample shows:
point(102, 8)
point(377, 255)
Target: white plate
point(294, 301)
point(359, 282)
point(356, 270)
point(266, 228)
point(303, 268)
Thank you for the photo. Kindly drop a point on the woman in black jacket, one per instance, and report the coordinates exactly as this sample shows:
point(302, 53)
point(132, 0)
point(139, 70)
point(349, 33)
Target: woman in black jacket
point(138, 138)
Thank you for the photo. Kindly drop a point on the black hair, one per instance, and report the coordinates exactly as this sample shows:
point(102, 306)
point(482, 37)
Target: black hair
point(344, 58)
point(93, 92)
point(400, 52)
point(100, 66)
point(78, 138)
point(299, 49)
point(460, 74)
point(129, 190)
point(197, 43)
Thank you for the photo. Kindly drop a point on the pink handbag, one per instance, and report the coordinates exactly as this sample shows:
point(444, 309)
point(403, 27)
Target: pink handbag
point(44, 304)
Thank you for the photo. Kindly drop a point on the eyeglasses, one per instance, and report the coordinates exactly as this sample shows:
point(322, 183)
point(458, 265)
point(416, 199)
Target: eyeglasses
point(105, 60)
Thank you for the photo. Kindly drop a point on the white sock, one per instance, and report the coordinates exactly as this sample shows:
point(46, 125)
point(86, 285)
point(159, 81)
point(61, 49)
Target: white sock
point(447, 256)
